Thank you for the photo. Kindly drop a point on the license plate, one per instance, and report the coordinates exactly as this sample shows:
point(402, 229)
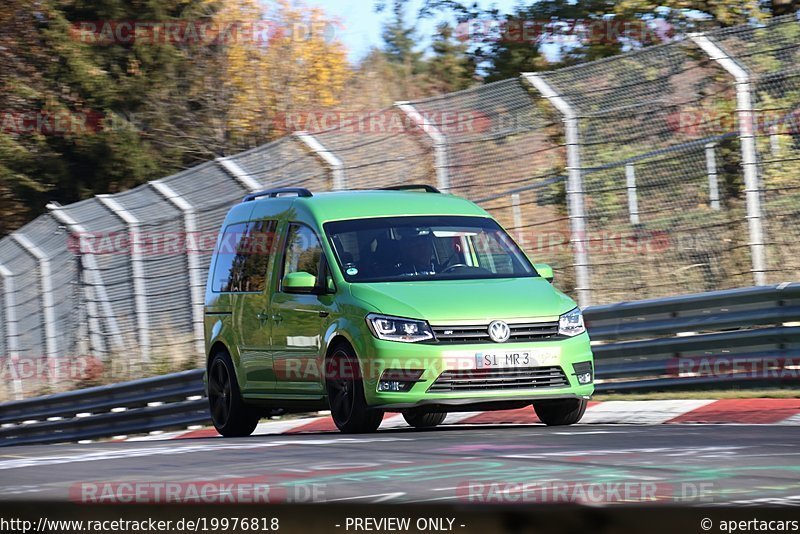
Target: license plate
point(517, 358)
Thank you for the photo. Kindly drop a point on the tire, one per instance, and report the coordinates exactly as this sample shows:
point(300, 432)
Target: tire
point(561, 411)
point(422, 419)
point(346, 393)
point(230, 415)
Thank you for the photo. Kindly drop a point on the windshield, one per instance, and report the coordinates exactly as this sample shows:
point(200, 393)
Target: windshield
point(395, 249)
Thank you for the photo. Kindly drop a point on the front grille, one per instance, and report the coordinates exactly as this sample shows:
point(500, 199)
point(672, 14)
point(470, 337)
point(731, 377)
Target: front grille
point(520, 332)
point(485, 379)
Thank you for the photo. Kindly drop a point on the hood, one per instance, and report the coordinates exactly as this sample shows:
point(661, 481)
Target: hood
point(455, 300)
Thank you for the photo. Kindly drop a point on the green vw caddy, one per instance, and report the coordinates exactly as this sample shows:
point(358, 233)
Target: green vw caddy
point(400, 300)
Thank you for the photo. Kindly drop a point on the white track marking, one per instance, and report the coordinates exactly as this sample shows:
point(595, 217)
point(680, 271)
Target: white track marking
point(793, 420)
point(381, 497)
point(662, 451)
point(174, 449)
point(394, 420)
point(454, 418)
point(160, 437)
point(609, 412)
point(280, 427)
point(640, 412)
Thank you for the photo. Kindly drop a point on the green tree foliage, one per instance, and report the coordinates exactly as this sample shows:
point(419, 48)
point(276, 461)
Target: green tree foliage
point(68, 103)
point(449, 68)
point(88, 108)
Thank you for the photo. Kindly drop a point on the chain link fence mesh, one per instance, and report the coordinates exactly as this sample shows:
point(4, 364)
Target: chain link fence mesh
point(651, 228)
point(665, 208)
point(771, 56)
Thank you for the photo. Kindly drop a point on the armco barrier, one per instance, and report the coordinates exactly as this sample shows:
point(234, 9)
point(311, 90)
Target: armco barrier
point(742, 336)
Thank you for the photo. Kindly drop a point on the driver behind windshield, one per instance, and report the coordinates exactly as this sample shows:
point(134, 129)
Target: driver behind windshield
point(416, 255)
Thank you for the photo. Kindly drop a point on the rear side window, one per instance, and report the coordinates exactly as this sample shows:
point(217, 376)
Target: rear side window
point(303, 250)
point(243, 257)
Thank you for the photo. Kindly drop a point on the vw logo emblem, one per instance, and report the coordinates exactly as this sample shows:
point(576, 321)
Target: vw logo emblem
point(499, 331)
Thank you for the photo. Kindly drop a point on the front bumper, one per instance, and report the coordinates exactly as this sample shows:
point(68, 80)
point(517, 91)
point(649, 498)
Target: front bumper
point(433, 359)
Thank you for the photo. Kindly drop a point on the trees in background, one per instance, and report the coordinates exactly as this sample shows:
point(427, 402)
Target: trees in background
point(91, 106)
point(86, 111)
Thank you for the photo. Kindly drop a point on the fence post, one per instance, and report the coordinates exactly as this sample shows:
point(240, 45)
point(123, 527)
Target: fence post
point(773, 140)
point(12, 330)
point(713, 184)
point(437, 138)
point(328, 157)
point(575, 205)
point(137, 272)
point(233, 169)
point(192, 260)
point(91, 280)
point(747, 140)
point(46, 286)
point(633, 200)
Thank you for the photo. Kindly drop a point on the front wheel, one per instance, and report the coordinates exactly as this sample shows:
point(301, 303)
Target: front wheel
point(560, 412)
point(230, 415)
point(345, 389)
point(422, 419)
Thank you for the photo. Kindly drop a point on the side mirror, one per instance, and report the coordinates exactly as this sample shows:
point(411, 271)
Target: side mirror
point(545, 271)
point(299, 282)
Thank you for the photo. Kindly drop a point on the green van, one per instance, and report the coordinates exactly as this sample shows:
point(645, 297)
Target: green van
point(399, 300)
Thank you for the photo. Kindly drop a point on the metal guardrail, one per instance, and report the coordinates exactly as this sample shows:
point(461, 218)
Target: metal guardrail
point(739, 337)
point(744, 337)
point(135, 407)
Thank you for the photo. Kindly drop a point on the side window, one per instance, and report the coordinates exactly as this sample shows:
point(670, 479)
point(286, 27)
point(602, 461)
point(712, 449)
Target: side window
point(225, 255)
point(303, 251)
point(243, 257)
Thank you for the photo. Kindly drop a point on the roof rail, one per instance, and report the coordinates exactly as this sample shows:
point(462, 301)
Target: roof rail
point(272, 193)
point(412, 187)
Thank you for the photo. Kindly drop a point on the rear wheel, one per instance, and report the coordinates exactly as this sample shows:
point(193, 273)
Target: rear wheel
point(346, 393)
point(230, 415)
point(422, 419)
point(560, 412)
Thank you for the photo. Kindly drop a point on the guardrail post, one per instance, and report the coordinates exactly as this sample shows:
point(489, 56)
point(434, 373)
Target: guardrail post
point(46, 283)
point(633, 200)
point(713, 184)
point(12, 330)
point(137, 272)
point(233, 169)
point(575, 205)
point(516, 211)
point(335, 164)
point(192, 260)
point(437, 138)
point(747, 140)
point(94, 287)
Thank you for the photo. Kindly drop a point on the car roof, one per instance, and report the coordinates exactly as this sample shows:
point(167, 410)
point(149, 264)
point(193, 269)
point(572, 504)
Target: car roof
point(339, 205)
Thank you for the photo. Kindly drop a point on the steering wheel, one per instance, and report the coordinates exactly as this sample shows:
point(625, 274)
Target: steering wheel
point(454, 266)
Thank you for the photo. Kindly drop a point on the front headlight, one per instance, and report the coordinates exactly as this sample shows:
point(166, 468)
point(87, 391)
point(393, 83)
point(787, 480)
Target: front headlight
point(571, 323)
point(398, 328)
